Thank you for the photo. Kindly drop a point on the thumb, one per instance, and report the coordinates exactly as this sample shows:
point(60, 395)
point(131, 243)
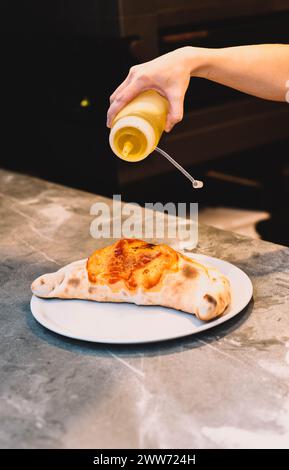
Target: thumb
point(176, 112)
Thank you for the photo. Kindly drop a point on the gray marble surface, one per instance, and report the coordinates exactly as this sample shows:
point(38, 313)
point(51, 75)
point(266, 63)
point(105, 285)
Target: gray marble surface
point(225, 388)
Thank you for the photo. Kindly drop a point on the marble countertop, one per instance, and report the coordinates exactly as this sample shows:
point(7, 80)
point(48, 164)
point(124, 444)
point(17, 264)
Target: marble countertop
point(228, 387)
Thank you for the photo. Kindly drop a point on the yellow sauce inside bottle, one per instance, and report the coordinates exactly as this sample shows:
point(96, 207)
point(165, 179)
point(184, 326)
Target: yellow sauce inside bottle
point(137, 128)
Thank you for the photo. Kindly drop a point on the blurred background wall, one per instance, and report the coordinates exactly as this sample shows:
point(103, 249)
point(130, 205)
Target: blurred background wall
point(60, 61)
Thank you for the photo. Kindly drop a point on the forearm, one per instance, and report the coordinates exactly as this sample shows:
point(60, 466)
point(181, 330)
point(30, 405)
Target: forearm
point(259, 70)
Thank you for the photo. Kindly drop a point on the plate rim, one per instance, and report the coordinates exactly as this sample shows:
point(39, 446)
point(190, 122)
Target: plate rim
point(206, 326)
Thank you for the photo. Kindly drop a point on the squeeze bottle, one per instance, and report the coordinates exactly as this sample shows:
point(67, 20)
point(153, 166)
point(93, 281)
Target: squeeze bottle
point(137, 128)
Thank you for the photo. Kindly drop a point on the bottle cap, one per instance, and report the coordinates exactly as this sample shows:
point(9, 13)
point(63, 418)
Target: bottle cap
point(125, 149)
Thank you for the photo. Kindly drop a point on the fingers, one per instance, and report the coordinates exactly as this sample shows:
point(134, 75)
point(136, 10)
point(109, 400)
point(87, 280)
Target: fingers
point(117, 96)
point(137, 81)
point(176, 111)
point(121, 99)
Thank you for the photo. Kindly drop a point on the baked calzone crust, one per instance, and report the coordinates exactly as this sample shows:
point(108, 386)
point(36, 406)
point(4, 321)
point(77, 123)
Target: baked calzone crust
point(138, 272)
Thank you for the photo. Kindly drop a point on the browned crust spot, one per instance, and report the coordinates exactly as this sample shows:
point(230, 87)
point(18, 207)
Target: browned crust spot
point(91, 290)
point(210, 299)
point(74, 282)
point(189, 271)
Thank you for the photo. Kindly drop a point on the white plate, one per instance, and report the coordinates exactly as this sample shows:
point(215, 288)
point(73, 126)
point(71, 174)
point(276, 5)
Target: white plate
point(122, 323)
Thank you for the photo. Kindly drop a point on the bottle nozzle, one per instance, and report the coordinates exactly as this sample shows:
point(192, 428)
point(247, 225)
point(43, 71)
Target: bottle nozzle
point(127, 148)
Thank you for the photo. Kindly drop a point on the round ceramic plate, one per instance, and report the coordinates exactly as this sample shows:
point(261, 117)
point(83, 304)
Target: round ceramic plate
point(124, 323)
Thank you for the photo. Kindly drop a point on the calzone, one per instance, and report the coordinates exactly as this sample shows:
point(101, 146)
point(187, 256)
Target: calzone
point(135, 271)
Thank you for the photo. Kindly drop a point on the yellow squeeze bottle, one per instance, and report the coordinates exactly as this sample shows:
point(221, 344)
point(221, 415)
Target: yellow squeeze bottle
point(137, 128)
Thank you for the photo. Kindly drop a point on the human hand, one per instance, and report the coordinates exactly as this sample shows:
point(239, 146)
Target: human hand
point(168, 74)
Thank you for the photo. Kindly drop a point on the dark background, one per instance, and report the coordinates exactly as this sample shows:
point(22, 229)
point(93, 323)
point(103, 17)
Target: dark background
point(56, 54)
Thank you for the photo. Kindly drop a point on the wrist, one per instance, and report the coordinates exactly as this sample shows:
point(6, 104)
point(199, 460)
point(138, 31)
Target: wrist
point(199, 60)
